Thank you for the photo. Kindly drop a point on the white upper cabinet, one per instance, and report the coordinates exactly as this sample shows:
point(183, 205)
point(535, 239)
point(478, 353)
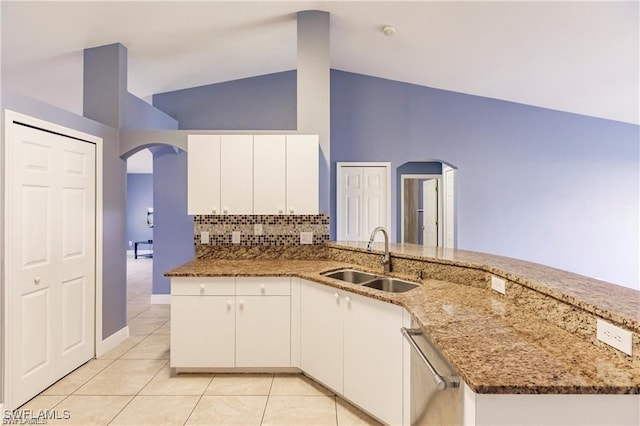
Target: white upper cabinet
point(302, 174)
point(236, 174)
point(253, 174)
point(203, 175)
point(269, 174)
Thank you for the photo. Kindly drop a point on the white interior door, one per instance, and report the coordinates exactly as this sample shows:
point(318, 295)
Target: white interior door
point(50, 261)
point(430, 213)
point(362, 200)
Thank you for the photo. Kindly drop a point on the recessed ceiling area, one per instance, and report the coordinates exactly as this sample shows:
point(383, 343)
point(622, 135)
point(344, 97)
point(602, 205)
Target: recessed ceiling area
point(574, 56)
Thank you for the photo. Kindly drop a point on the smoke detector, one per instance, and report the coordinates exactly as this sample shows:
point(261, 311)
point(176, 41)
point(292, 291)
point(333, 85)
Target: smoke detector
point(388, 30)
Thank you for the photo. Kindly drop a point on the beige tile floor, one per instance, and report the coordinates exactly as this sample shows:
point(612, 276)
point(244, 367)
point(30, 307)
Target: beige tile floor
point(133, 385)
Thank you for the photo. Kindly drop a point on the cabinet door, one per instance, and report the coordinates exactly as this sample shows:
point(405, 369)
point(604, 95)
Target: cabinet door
point(202, 331)
point(373, 356)
point(269, 154)
point(236, 171)
point(203, 175)
point(263, 331)
point(321, 333)
point(302, 174)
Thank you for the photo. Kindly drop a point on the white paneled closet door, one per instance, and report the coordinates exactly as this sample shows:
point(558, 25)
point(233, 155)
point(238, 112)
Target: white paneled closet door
point(51, 217)
point(362, 201)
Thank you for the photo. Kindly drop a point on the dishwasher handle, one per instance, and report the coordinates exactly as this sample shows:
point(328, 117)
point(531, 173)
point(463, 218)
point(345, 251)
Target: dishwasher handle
point(441, 383)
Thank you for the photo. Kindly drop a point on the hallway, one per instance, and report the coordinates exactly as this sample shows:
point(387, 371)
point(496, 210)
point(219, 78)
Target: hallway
point(132, 384)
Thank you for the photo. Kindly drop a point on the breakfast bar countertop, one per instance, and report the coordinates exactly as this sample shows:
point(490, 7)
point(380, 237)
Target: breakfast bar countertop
point(495, 345)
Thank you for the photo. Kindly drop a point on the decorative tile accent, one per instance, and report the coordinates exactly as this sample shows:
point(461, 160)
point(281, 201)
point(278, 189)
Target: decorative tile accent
point(277, 230)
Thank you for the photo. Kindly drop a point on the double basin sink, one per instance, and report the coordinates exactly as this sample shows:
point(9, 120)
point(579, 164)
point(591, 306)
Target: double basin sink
point(388, 284)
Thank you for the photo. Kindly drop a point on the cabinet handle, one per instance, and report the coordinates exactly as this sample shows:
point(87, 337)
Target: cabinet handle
point(262, 288)
point(228, 304)
point(241, 304)
point(202, 288)
point(347, 299)
point(291, 210)
point(36, 280)
point(215, 210)
point(225, 210)
point(280, 210)
point(336, 295)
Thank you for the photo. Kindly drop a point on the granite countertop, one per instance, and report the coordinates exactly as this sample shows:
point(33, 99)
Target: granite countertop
point(495, 346)
point(618, 303)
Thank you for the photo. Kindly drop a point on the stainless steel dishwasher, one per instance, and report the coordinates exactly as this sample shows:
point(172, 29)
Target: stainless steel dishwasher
point(436, 393)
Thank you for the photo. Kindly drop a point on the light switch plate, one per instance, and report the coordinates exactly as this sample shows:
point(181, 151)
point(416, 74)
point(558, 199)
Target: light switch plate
point(235, 237)
point(204, 237)
point(257, 229)
point(498, 284)
point(306, 237)
point(617, 337)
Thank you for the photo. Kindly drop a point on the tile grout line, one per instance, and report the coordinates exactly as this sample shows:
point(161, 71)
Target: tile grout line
point(199, 399)
point(140, 390)
point(266, 404)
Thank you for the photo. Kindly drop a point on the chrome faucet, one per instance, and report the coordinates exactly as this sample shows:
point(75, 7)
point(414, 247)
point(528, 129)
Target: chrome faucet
point(386, 259)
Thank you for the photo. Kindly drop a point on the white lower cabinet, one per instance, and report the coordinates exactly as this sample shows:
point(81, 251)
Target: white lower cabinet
point(202, 322)
point(373, 356)
point(321, 331)
point(230, 322)
point(353, 344)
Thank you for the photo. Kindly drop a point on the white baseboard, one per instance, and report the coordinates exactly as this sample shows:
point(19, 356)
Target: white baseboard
point(160, 299)
point(113, 341)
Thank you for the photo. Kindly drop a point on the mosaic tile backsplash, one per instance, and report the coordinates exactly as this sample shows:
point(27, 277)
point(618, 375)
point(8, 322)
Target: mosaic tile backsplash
point(277, 230)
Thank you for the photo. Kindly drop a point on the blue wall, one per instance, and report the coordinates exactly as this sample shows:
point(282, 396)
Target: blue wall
point(536, 184)
point(173, 228)
point(139, 199)
point(266, 102)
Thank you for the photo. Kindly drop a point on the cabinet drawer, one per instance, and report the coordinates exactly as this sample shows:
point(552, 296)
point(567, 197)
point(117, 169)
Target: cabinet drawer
point(267, 286)
point(205, 286)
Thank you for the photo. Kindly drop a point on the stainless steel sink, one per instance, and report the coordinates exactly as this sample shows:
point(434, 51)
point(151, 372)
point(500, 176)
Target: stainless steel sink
point(350, 275)
point(392, 285)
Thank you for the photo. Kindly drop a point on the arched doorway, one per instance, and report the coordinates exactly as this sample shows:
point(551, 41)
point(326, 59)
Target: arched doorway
point(426, 203)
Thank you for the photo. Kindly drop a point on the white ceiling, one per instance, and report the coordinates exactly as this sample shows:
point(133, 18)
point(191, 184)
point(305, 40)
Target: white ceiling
point(574, 56)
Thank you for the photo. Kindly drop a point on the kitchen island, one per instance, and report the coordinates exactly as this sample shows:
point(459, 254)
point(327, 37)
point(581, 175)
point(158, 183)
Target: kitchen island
point(537, 338)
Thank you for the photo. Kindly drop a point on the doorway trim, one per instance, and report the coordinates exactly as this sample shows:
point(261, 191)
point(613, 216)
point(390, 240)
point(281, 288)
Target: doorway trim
point(341, 164)
point(10, 117)
point(404, 177)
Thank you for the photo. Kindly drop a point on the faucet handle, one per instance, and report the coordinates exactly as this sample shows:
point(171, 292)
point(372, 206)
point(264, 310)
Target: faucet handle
point(370, 245)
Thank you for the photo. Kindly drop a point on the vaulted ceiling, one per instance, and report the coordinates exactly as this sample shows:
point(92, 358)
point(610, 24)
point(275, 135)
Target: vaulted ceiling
point(574, 56)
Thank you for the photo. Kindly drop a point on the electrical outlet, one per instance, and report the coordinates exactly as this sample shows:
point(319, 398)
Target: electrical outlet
point(498, 284)
point(306, 237)
point(257, 229)
point(617, 337)
point(235, 237)
point(204, 237)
